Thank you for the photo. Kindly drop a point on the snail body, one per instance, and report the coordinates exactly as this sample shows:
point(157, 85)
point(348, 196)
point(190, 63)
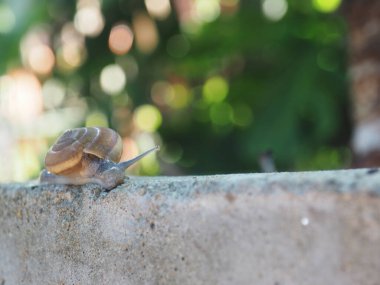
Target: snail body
point(87, 155)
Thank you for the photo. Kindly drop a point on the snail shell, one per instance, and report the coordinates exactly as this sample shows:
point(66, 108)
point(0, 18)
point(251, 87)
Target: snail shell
point(87, 155)
point(75, 150)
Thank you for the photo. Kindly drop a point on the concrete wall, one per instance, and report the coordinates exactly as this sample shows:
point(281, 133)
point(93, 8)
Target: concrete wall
point(275, 229)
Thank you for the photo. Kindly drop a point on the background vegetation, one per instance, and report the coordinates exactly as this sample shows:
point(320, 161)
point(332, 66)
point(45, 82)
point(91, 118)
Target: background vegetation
point(215, 82)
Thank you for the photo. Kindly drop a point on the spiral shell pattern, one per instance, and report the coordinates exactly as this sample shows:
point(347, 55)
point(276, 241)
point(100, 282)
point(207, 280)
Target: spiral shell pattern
point(67, 153)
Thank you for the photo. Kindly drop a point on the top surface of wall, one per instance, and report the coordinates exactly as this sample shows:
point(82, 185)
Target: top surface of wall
point(280, 228)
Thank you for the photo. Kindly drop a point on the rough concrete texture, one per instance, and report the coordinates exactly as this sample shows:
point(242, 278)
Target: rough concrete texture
point(276, 229)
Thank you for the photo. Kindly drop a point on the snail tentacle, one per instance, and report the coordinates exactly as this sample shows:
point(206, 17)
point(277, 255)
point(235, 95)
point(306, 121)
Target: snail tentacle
point(125, 164)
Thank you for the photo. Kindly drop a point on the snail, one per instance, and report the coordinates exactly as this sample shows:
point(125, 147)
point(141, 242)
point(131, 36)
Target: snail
point(87, 155)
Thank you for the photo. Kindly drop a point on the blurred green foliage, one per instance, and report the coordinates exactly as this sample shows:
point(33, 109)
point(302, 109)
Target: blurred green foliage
point(250, 84)
point(290, 73)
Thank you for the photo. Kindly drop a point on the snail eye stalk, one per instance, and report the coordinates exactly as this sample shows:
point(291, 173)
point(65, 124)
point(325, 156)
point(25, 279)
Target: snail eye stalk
point(125, 164)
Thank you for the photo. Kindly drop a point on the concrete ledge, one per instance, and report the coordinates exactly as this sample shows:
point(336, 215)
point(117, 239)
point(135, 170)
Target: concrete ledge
point(275, 229)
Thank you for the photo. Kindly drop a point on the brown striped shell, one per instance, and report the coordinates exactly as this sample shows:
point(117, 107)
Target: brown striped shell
point(75, 148)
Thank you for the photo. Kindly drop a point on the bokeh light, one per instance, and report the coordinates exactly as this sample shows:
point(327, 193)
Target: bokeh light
point(96, 119)
point(54, 121)
point(89, 19)
point(26, 161)
point(229, 6)
point(161, 90)
point(149, 164)
point(274, 10)
point(146, 140)
point(326, 6)
point(147, 118)
point(221, 114)
point(159, 9)
point(206, 10)
point(179, 98)
point(215, 89)
point(120, 39)
point(35, 50)
point(41, 59)
point(53, 92)
point(112, 79)
point(176, 96)
point(70, 56)
point(172, 152)
point(20, 96)
point(7, 19)
point(71, 52)
point(130, 150)
point(145, 31)
point(69, 34)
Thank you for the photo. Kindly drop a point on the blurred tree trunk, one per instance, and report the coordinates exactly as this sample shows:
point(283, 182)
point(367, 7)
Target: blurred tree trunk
point(363, 18)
